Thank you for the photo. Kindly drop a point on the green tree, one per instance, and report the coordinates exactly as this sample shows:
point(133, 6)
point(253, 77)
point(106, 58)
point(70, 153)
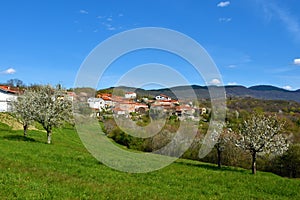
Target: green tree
point(15, 83)
point(261, 134)
point(221, 140)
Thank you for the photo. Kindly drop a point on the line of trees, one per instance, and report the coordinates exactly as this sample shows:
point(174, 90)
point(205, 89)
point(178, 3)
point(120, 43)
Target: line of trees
point(259, 134)
point(45, 105)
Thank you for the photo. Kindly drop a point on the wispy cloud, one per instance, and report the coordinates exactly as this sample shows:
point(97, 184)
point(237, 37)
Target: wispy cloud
point(290, 21)
point(239, 60)
point(9, 71)
point(111, 28)
point(223, 4)
point(232, 83)
point(225, 19)
point(83, 12)
point(108, 26)
point(109, 22)
point(232, 66)
point(297, 61)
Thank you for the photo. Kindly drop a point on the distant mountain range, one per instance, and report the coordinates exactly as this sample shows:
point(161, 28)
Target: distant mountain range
point(260, 92)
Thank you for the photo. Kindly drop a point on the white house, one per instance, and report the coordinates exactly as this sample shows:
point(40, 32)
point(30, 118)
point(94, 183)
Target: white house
point(130, 95)
point(96, 103)
point(6, 97)
point(163, 97)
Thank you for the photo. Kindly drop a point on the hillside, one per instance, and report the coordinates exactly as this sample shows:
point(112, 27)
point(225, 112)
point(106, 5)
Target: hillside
point(31, 169)
point(260, 92)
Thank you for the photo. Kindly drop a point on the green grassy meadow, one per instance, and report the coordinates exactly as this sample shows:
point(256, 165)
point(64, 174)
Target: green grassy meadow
point(32, 169)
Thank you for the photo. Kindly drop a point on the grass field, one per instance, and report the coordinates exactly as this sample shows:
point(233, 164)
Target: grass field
point(32, 169)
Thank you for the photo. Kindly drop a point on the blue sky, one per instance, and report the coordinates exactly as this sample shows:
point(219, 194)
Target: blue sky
point(251, 41)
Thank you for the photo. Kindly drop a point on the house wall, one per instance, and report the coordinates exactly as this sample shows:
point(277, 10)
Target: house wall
point(130, 95)
point(5, 101)
point(96, 103)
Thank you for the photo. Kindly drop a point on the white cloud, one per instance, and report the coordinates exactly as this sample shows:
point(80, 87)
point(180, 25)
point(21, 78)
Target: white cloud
point(225, 19)
point(83, 12)
point(287, 87)
point(215, 82)
point(121, 15)
point(109, 19)
point(232, 83)
point(297, 61)
point(223, 4)
point(9, 71)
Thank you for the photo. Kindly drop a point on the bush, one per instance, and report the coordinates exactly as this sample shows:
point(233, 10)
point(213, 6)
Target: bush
point(288, 164)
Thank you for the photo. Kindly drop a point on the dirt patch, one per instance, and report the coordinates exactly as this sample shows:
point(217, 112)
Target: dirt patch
point(12, 122)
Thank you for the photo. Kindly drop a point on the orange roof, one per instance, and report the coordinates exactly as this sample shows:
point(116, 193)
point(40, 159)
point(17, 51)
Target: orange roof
point(101, 95)
point(106, 98)
point(183, 108)
point(141, 105)
point(73, 94)
point(9, 89)
point(118, 109)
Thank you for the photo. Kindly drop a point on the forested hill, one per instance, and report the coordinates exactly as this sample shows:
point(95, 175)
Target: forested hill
point(259, 92)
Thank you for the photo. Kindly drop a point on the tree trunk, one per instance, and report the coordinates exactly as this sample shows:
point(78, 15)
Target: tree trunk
point(219, 158)
point(49, 133)
point(25, 127)
point(254, 163)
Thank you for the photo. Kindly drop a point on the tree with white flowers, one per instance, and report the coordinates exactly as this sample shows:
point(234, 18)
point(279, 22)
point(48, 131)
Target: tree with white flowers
point(23, 110)
point(52, 109)
point(262, 135)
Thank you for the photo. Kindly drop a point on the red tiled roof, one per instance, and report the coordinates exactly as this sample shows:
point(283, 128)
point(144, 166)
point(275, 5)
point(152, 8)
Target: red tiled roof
point(9, 89)
point(72, 94)
point(106, 98)
point(118, 109)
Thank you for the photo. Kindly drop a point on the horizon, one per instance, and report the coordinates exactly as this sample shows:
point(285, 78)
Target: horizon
point(161, 88)
point(248, 87)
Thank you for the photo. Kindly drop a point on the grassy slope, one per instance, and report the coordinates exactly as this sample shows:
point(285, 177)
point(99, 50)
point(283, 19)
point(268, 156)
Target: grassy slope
point(31, 169)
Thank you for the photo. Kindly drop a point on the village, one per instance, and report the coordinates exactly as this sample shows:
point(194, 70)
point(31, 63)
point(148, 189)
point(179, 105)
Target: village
point(125, 106)
point(129, 104)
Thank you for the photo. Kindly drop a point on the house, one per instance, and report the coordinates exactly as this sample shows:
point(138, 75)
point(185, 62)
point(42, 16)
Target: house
point(119, 111)
point(141, 108)
point(163, 97)
point(7, 95)
point(203, 111)
point(127, 106)
point(96, 103)
point(71, 96)
point(107, 101)
point(186, 110)
point(130, 95)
